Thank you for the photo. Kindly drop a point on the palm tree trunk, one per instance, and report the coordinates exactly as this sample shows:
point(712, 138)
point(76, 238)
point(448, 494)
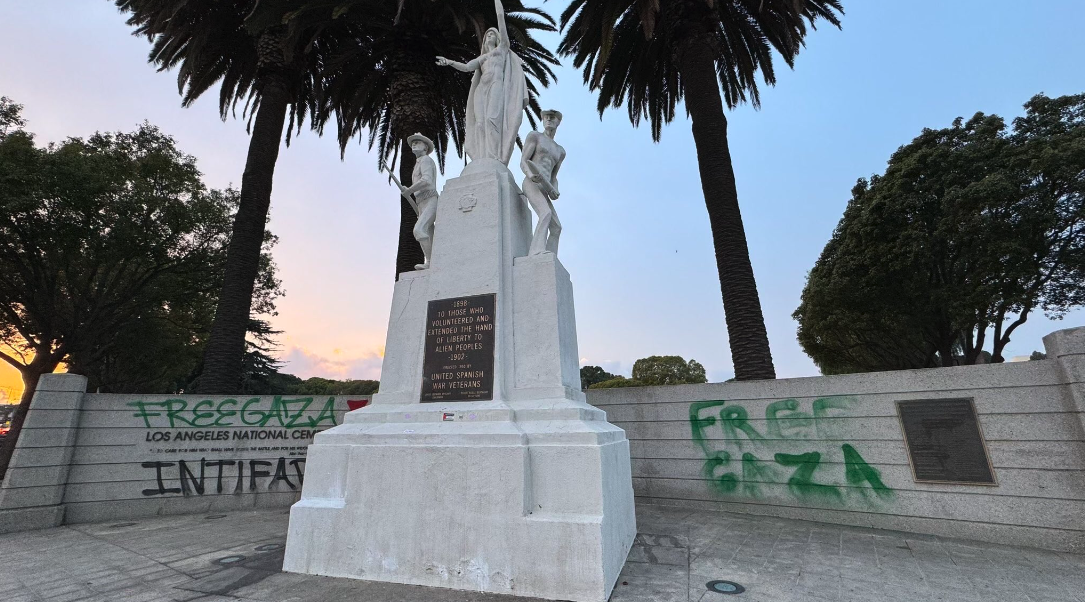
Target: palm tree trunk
point(413, 102)
point(31, 374)
point(409, 253)
point(225, 349)
point(741, 304)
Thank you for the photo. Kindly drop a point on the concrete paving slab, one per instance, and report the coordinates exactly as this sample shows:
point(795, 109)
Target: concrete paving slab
point(237, 557)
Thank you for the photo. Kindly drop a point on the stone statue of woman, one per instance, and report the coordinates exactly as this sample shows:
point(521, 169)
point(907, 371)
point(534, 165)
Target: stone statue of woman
point(498, 96)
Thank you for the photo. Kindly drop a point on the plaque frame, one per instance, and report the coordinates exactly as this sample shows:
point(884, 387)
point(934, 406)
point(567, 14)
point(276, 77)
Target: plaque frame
point(979, 428)
point(486, 299)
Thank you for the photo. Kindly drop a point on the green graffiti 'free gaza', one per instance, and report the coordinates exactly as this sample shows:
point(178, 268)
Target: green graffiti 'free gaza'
point(738, 469)
point(256, 411)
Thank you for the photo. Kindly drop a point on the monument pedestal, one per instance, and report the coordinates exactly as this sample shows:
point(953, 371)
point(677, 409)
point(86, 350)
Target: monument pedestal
point(528, 492)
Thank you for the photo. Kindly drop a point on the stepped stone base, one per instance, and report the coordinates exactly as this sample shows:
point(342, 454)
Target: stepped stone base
point(541, 507)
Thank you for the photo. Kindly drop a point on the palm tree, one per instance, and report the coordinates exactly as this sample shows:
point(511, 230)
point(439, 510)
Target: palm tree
point(223, 42)
point(387, 82)
point(648, 55)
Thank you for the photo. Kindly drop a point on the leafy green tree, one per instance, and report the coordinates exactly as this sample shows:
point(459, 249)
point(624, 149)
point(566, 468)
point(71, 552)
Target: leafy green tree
point(655, 370)
point(156, 351)
point(589, 375)
point(278, 383)
point(617, 382)
point(1037, 355)
point(668, 370)
point(106, 245)
point(160, 349)
point(10, 116)
point(648, 55)
point(243, 47)
point(387, 83)
point(326, 386)
point(970, 230)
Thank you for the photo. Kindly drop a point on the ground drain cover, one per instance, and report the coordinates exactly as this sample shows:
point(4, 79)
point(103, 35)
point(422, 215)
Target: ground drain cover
point(228, 560)
point(724, 587)
point(215, 516)
point(269, 547)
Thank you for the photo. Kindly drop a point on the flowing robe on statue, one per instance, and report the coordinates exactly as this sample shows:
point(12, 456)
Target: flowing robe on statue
point(492, 134)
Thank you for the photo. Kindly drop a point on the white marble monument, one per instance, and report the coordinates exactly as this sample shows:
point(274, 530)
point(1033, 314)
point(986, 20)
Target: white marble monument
point(478, 465)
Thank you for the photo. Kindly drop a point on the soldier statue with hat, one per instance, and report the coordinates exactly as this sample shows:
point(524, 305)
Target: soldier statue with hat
point(424, 190)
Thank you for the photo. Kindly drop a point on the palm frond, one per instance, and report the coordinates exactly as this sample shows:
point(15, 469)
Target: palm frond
point(626, 49)
point(389, 85)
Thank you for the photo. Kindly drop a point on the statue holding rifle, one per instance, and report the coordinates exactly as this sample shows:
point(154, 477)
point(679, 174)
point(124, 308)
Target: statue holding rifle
point(498, 95)
point(424, 190)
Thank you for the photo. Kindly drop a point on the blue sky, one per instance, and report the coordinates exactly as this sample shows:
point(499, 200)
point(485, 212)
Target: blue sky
point(636, 238)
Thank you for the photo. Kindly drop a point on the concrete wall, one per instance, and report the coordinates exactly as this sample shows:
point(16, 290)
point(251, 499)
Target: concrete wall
point(745, 447)
point(97, 457)
point(825, 448)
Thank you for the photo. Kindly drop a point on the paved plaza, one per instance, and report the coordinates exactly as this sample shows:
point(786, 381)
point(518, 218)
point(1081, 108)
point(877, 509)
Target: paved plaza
point(236, 556)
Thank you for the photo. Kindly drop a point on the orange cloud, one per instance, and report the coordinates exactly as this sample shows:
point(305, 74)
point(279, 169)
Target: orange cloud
point(305, 363)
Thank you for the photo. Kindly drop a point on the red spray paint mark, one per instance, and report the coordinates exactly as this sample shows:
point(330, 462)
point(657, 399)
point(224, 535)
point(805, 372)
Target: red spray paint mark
point(354, 404)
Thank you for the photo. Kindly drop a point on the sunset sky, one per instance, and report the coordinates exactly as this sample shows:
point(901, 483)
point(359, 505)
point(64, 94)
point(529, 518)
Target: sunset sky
point(636, 238)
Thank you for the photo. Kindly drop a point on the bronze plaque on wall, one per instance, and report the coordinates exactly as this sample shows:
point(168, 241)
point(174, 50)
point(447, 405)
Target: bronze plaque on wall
point(944, 441)
point(459, 359)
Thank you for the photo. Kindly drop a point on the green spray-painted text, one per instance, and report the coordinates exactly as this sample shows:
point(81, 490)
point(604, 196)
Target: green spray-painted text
point(742, 460)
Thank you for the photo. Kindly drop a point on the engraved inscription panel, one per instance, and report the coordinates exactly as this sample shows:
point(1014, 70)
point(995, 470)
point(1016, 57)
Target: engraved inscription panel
point(945, 444)
point(459, 359)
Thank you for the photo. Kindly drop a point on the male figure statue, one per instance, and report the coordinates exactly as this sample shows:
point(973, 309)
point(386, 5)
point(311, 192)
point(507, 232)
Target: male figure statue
point(424, 188)
point(540, 162)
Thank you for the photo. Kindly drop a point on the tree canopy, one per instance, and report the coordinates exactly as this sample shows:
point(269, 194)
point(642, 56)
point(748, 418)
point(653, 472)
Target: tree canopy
point(668, 370)
point(589, 375)
point(651, 371)
point(10, 116)
point(971, 229)
point(111, 254)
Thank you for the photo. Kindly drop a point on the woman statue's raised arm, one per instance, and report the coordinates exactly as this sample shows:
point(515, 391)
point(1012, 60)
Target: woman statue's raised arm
point(501, 24)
